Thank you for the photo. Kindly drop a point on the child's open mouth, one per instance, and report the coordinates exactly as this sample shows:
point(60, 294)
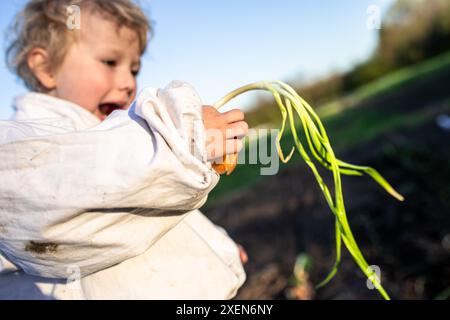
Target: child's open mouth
point(107, 108)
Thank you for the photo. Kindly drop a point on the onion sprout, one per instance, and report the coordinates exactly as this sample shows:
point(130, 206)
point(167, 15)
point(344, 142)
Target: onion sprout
point(291, 105)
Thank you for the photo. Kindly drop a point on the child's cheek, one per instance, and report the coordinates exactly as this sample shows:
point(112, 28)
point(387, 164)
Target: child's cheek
point(96, 86)
point(101, 82)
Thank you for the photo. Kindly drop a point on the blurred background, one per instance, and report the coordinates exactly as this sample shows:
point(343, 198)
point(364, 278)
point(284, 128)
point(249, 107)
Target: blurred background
point(378, 74)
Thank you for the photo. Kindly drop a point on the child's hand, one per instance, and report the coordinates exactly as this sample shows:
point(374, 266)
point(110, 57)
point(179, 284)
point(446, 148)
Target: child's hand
point(243, 255)
point(224, 131)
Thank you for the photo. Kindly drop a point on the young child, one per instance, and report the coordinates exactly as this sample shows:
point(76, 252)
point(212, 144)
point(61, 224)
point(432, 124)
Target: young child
point(99, 188)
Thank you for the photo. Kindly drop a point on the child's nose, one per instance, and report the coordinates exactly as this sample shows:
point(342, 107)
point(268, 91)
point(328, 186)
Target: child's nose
point(127, 82)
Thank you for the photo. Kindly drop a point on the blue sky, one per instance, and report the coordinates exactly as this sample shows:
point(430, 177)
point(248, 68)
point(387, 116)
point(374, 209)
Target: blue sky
point(219, 45)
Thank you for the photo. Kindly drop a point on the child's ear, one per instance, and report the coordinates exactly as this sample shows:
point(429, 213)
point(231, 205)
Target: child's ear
point(38, 62)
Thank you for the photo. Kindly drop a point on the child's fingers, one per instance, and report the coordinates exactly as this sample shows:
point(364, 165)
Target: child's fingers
point(234, 115)
point(243, 255)
point(236, 129)
point(233, 146)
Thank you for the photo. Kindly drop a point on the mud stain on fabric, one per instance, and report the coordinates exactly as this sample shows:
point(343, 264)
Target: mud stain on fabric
point(41, 247)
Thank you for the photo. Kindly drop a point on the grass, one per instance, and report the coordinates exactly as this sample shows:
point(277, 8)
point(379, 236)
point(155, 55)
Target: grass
point(387, 84)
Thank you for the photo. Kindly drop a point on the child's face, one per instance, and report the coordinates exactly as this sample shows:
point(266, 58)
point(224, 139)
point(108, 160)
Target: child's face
point(99, 70)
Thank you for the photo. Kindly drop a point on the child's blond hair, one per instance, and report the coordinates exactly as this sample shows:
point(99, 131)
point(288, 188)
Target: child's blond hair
point(43, 24)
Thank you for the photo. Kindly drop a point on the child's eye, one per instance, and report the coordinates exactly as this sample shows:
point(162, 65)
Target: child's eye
point(110, 63)
point(135, 72)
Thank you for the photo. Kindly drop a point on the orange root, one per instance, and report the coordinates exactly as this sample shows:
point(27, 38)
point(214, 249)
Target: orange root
point(229, 162)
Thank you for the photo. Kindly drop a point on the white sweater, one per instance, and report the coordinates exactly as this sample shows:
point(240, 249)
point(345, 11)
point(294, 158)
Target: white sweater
point(113, 203)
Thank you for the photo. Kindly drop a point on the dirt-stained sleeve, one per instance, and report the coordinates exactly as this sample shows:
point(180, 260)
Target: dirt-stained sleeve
point(91, 199)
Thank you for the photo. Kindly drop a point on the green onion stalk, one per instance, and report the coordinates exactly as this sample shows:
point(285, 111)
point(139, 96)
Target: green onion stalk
point(291, 105)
